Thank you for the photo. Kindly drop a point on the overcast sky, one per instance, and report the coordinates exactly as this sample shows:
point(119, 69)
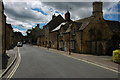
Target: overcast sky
point(25, 14)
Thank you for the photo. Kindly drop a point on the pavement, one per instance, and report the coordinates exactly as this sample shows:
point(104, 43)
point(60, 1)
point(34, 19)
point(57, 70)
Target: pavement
point(12, 54)
point(105, 61)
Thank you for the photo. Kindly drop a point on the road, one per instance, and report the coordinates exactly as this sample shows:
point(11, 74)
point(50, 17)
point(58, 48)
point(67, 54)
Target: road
point(37, 62)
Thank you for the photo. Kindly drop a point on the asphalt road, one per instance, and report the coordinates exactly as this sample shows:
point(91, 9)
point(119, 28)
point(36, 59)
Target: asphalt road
point(40, 63)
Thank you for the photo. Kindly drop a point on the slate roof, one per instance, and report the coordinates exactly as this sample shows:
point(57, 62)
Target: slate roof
point(84, 22)
point(67, 24)
point(55, 22)
point(58, 28)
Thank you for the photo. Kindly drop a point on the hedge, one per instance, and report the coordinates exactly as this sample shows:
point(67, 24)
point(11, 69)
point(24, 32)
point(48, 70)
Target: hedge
point(116, 56)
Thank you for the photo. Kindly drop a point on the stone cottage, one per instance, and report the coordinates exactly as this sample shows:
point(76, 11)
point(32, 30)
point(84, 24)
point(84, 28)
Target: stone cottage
point(50, 36)
point(95, 33)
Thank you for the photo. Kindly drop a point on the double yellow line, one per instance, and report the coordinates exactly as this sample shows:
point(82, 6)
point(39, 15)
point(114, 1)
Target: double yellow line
point(16, 66)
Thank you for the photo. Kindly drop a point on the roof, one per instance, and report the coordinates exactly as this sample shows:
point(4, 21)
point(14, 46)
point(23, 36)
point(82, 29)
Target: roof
point(9, 26)
point(58, 28)
point(66, 26)
point(84, 22)
point(83, 26)
point(55, 22)
point(114, 25)
point(69, 28)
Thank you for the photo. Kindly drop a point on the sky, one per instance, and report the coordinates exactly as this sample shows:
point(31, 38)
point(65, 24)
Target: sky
point(25, 14)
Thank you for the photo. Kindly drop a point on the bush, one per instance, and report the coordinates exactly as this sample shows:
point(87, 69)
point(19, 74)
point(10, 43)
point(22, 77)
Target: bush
point(116, 56)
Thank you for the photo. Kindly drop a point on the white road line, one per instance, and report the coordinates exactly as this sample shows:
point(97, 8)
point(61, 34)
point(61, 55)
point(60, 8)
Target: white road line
point(15, 68)
point(92, 63)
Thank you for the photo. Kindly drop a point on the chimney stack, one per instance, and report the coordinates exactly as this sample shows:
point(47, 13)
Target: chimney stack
point(97, 9)
point(53, 16)
point(67, 16)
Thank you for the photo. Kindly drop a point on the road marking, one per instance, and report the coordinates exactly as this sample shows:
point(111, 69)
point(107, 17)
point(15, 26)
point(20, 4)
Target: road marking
point(15, 68)
point(91, 63)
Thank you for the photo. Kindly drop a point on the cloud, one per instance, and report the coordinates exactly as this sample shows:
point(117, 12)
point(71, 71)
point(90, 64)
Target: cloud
point(60, 0)
point(22, 12)
point(22, 31)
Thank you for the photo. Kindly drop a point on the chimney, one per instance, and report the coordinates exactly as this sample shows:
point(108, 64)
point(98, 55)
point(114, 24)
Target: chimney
point(37, 25)
point(97, 9)
point(1, 7)
point(67, 16)
point(53, 16)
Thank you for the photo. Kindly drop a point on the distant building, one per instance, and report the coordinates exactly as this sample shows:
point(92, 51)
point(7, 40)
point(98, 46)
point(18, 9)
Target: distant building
point(19, 38)
point(60, 40)
point(33, 34)
point(49, 36)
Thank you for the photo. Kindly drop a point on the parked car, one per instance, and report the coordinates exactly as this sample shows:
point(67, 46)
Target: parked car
point(19, 44)
point(24, 42)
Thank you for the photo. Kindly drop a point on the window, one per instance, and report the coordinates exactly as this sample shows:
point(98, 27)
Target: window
point(72, 44)
point(61, 44)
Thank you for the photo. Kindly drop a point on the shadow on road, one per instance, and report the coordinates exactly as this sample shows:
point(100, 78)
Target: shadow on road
point(4, 61)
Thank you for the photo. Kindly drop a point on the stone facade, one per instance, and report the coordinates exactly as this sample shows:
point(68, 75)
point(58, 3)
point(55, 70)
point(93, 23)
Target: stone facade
point(1, 14)
point(33, 34)
point(9, 37)
point(93, 34)
point(2, 28)
point(54, 40)
point(50, 36)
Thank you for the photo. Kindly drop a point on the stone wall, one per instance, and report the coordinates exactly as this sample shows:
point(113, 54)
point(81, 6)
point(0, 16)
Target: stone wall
point(1, 27)
point(9, 37)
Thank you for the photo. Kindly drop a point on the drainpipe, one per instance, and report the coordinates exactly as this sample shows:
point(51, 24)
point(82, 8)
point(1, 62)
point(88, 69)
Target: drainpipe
point(69, 44)
point(5, 39)
point(81, 40)
point(57, 40)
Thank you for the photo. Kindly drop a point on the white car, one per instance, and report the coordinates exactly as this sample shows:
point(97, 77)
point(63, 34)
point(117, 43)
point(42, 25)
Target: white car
point(19, 44)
